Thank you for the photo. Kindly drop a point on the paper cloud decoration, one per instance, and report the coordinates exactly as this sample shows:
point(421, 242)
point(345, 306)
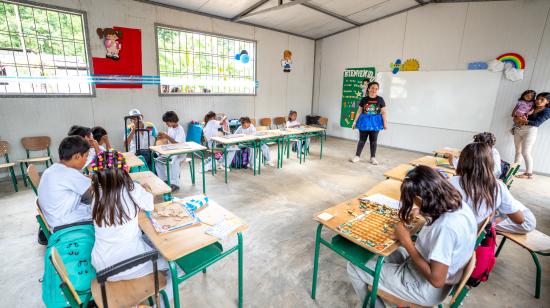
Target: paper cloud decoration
point(477, 66)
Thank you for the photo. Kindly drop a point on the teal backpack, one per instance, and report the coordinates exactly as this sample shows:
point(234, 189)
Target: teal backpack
point(74, 244)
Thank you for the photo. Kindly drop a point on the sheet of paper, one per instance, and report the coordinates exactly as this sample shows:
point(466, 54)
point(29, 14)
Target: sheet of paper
point(382, 199)
point(325, 216)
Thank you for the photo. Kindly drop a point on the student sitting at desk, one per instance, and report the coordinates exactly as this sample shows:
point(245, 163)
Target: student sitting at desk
point(292, 122)
point(211, 129)
point(63, 193)
point(247, 128)
point(145, 138)
point(86, 133)
point(117, 202)
point(100, 135)
point(175, 134)
point(484, 194)
point(423, 272)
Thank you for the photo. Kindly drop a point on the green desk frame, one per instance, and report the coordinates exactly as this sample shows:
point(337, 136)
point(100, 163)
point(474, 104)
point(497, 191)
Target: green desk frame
point(191, 167)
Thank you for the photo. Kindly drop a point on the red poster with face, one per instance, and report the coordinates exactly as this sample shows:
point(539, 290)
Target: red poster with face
point(128, 63)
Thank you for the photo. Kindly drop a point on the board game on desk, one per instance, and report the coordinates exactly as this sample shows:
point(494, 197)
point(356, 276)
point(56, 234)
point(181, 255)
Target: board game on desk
point(432, 161)
point(177, 148)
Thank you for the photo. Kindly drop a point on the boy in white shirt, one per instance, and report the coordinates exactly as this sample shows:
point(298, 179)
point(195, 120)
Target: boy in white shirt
point(211, 127)
point(247, 128)
point(175, 134)
point(63, 193)
point(86, 133)
point(102, 138)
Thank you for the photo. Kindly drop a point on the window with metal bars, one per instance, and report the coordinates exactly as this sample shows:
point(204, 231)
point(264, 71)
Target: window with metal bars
point(43, 51)
point(195, 63)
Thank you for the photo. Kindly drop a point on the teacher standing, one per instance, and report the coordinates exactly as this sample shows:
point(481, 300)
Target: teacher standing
point(370, 119)
point(526, 134)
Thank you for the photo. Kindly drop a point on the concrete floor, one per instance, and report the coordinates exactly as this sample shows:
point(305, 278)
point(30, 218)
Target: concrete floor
point(279, 245)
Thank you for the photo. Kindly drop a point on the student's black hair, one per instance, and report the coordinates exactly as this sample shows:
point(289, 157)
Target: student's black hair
point(77, 130)
point(527, 92)
point(486, 137)
point(545, 95)
point(209, 116)
point(436, 194)
point(170, 116)
point(244, 120)
point(291, 112)
point(372, 83)
point(98, 132)
point(72, 145)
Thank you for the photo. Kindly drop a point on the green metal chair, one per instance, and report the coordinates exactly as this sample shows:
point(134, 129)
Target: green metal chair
point(536, 242)
point(509, 178)
point(35, 144)
point(4, 148)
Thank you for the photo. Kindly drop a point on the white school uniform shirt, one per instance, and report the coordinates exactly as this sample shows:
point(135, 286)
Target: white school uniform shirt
point(292, 123)
point(505, 203)
point(497, 171)
point(91, 156)
point(178, 133)
point(211, 129)
point(117, 243)
point(59, 194)
point(246, 131)
point(450, 240)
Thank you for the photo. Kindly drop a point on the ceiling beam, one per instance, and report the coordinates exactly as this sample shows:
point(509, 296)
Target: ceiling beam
point(331, 13)
point(275, 8)
point(249, 9)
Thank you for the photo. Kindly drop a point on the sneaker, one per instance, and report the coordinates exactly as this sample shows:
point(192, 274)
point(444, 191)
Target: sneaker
point(42, 240)
point(207, 167)
point(174, 187)
point(270, 164)
point(527, 176)
point(355, 159)
point(373, 161)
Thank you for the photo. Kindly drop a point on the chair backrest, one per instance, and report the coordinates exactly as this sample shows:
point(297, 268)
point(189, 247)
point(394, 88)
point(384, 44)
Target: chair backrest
point(323, 121)
point(4, 147)
point(253, 121)
point(33, 176)
point(508, 178)
point(279, 121)
point(42, 216)
point(39, 143)
point(481, 228)
point(62, 272)
point(260, 128)
point(467, 272)
point(265, 122)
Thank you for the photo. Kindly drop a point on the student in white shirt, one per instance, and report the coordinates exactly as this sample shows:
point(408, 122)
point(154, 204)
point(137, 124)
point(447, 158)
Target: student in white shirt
point(247, 128)
point(484, 194)
point(86, 133)
point(175, 134)
point(292, 122)
point(490, 139)
point(423, 272)
point(117, 201)
point(211, 129)
point(63, 193)
point(100, 135)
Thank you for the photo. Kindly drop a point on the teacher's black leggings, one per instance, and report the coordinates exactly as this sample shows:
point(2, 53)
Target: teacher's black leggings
point(372, 135)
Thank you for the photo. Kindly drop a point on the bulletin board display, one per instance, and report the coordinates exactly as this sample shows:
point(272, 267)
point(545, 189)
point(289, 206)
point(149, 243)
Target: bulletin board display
point(352, 92)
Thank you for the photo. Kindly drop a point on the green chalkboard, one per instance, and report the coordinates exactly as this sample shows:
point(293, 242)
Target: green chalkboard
point(352, 92)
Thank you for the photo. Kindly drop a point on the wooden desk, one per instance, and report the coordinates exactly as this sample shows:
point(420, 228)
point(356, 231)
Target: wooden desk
point(432, 161)
point(399, 172)
point(390, 188)
point(132, 160)
point(447, 151)
point(158, 187)
point(179, 243)
point(174, 149)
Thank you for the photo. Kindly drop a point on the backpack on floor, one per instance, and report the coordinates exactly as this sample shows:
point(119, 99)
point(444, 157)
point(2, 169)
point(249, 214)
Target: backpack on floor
point(485, 257)
point(74, 244)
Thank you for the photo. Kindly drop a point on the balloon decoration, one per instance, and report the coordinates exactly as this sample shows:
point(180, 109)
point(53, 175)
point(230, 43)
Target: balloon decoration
point(243, 57)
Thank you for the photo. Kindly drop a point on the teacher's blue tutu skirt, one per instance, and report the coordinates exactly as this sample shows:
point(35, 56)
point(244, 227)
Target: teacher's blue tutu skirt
point(373, 122)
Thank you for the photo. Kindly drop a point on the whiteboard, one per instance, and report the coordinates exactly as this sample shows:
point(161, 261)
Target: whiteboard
point(457, 100)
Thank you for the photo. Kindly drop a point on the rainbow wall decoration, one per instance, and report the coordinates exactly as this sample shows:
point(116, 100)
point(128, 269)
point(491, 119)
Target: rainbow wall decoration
point(515, 59)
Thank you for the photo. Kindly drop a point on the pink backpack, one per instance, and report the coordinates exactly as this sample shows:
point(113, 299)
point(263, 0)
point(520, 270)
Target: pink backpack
point(485, 257)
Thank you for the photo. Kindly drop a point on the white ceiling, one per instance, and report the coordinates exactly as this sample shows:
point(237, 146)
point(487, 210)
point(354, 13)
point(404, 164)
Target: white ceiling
point(299, 16)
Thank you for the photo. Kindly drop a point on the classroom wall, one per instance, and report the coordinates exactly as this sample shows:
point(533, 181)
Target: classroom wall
point(277, 93)
point(443, 37)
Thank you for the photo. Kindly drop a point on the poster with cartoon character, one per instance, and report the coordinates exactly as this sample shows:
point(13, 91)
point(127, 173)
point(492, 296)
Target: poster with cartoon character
point(286, 62)
point(110, 41)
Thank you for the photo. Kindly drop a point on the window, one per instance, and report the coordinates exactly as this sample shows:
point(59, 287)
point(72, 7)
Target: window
point(43, 51)
point(199, 63)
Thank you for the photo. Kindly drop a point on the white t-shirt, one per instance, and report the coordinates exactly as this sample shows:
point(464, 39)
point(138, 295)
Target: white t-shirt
point(178, 134)
point(292, 123)
point(59, 194)
point(246, 131)
point(117, 243)
point(91, 156)
point(450, 240)
point(505, 203)
point(211, 129)
point(497, 171)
